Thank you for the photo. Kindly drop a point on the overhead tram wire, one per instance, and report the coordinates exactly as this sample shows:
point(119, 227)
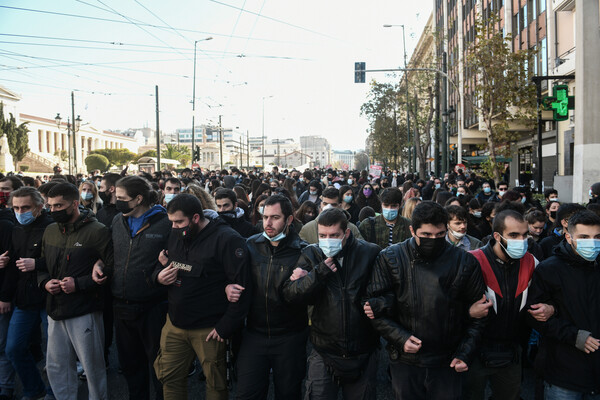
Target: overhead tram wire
point(141, 27)
point(277, 20)
point(179, 33)
point(146, 24)
point(78, 74)
point(233, 30)
point(230, 54)
point(254, 25)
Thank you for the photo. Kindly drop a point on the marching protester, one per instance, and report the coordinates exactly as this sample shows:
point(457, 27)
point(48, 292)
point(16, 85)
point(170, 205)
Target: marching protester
point(168, 255)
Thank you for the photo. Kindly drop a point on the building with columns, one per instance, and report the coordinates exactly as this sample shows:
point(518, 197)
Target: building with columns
point(47, 140)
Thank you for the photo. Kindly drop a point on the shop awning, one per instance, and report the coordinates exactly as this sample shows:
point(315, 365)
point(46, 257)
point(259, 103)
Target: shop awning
point(479, 159)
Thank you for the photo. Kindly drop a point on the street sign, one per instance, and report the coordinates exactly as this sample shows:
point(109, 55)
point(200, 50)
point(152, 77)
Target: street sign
point(195, 165)
point(560, 102)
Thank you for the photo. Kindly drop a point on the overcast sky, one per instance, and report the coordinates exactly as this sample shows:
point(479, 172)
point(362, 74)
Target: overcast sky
point(113, 53)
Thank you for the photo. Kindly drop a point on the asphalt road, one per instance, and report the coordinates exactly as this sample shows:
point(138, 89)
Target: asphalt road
point(117, 388)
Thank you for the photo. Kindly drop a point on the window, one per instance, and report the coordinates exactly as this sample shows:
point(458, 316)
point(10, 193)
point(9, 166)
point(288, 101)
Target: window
point(542, 6)
point(543, 57)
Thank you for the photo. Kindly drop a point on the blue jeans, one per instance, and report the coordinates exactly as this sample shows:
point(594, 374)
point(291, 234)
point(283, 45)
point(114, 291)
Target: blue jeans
point(22, 326)
point(7, 373)
point(553, 392)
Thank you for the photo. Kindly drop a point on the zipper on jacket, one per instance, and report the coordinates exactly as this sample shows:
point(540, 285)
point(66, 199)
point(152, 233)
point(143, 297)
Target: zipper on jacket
point(414, 296)
point(267, 295)
point(126, 267)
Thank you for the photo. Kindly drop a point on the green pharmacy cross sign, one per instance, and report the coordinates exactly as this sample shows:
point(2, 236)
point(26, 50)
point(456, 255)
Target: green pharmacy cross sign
point(560, 103)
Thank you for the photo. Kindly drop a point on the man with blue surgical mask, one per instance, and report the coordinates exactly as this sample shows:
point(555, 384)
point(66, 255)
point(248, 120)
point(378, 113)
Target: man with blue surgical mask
point(172, 189)
point(389, 227)
point(570, 281)
point(276, 330)
point(19, 287)
point(507, 269)
point(332, 275)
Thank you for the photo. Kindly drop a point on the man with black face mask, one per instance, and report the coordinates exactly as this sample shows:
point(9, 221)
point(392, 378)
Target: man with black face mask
point(204, 256)
point(107, 193)
point(419, 297)
point(70, 248)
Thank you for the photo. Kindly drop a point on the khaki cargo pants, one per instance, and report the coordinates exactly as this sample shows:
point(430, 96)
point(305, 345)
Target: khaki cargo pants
point(177, 350)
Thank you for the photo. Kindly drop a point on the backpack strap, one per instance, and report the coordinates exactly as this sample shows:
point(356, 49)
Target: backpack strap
point(488, 274)
point(373, 237)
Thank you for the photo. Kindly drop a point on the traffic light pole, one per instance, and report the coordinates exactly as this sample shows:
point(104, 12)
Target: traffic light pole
point(540, 122)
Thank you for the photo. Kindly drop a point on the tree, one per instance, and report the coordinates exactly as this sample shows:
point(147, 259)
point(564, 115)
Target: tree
point(96, 161)
point(361, 161)
point(183, 154)
point(62, 154)
point(17, 136)
point(421, 108)
point(147, 153)
point(118, 157)
point(387, 138)
point(502, 92)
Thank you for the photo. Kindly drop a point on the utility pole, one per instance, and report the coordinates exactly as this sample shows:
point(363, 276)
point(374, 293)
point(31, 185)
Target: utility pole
point(74, 132)
point(248, 149)
point(157, 133)
point(445, 163)
point(193, 106)
point(221, 142)
point(411, 162)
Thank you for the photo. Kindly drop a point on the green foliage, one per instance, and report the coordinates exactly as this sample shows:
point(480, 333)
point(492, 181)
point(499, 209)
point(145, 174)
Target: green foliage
point(421, 107)
point(96, 161)
point(148, 153)
point(118, 157)
point(361, 161)
point(502, 89)
point(16, 135)
point(24, 168)
point(387, 139)
point(62, 154)
point(183, 154)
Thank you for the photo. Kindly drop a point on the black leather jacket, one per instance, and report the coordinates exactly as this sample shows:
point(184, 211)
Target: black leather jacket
point(339, 324)
point(271, 266)
point(428, 299)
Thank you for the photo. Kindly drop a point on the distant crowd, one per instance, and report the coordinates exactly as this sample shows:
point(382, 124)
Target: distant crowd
point(463, 281)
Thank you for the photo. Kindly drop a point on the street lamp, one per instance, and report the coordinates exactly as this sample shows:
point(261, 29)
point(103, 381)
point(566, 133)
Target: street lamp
point(411, 163)
point(263, 130)
point(70, 128)
point(447, 117)
point(194, 96)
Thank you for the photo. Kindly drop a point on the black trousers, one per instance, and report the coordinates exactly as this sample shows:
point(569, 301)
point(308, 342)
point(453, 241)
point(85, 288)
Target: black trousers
point(138, 342)
point(285, 355)
point(414, 383)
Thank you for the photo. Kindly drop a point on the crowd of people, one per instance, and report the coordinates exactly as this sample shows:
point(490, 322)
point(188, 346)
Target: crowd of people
point(299, 277)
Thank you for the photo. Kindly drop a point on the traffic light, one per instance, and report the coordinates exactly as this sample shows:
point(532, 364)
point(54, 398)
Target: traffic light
point(196, 155)
point(560, 103)
point(359, 72)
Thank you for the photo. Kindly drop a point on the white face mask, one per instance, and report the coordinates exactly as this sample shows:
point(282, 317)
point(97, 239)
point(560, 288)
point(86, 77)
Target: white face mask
point(457, 235)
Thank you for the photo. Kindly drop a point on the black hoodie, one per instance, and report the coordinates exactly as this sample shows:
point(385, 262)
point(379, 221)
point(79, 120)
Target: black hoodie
point(208, 261)
point(572, 285)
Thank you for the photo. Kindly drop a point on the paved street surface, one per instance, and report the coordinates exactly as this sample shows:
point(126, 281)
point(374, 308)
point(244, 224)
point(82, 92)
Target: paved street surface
point(117, 388)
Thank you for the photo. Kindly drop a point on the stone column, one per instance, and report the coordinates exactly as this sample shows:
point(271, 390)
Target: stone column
point(587, 98)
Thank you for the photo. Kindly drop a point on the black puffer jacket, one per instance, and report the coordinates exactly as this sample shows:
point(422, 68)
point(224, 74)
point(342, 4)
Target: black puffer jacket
point(339, 324)
point(429, 299)
point(271, 266)
point(21, 287)
point(572, 285)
